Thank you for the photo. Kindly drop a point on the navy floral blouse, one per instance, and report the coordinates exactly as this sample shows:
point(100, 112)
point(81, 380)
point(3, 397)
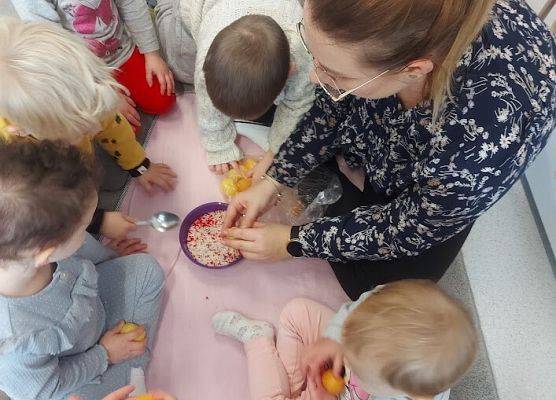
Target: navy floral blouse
point(440, 179)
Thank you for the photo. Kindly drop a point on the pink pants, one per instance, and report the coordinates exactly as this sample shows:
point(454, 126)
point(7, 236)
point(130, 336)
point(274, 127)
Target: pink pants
point(274, 369)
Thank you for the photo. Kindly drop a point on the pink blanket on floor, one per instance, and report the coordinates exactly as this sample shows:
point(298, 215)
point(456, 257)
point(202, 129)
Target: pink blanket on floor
point(189, 360)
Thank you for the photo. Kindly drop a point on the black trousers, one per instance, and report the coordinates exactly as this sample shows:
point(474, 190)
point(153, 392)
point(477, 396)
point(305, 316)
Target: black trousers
point(357, 277)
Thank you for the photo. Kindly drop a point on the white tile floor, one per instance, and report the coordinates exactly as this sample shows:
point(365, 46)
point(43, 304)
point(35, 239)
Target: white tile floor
point(515, 294)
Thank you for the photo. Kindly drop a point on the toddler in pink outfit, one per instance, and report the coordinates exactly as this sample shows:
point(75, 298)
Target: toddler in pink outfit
point(403, 340)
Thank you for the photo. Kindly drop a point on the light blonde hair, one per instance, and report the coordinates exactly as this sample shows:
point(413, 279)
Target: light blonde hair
point(422, 340)
point(51, 85)
point(395, 32)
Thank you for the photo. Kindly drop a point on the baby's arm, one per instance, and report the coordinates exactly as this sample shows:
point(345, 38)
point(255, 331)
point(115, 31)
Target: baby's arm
point(30, 376)
point(218, 132)
point(33, 10)
point(136, 17)
point(95, 251)
point(299, 96)
point(118, 139)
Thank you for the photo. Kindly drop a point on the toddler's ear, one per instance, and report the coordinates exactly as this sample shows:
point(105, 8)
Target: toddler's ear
point(293, 69)
point(41, 258)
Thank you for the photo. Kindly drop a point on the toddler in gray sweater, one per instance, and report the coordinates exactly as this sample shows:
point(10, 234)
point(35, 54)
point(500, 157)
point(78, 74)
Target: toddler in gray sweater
point(242, 56)
point(63, 295)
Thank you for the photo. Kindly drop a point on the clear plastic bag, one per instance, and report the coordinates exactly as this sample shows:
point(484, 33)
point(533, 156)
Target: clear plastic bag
point(309, 200)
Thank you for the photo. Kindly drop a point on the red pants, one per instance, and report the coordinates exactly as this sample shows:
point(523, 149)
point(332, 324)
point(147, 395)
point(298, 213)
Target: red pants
point(132, 74)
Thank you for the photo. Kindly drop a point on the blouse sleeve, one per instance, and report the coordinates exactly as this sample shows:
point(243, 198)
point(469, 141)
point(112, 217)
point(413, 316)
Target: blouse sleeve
point(315, 140)
point(488, 139)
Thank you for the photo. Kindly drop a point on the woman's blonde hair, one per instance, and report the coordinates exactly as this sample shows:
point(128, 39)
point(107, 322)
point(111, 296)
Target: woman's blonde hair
point(395, 32)
point(421, 340)
point(51, 85)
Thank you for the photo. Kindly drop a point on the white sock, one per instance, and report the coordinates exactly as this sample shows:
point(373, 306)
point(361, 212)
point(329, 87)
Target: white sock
point(137, 379)
point(237, 326)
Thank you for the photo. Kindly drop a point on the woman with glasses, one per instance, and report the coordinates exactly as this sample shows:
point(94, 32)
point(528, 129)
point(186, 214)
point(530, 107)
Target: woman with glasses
point(442, 103)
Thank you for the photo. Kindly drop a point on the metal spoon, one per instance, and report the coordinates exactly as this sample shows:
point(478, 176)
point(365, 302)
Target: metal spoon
point(161, 221)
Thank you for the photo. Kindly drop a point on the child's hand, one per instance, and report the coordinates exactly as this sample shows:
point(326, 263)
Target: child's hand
point(322, 354)
point(127, 109)
point(220, 169)
point(116, 226)
point(317, 390)
point(126, 247)
point(158, 395)
point(262, 166)
point(120, 394)
point(122, 346)
point(159, 175)
point(155, 65)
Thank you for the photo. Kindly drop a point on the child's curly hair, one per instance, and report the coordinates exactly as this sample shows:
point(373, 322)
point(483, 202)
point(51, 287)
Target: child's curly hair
point(45, 188)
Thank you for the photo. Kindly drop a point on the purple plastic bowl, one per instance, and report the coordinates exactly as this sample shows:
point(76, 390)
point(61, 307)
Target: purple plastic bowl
point(189, 220)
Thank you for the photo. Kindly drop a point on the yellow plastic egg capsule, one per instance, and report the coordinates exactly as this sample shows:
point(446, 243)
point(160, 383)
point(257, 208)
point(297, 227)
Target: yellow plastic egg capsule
point(145, 396)
point(130, 327)
point(243, 184)
point(249, 163)
point(228, 187)
point(235, 175)
point(333, 384)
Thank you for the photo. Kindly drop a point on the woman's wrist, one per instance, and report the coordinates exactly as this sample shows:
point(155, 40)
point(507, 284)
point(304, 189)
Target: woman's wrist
point(275, 184)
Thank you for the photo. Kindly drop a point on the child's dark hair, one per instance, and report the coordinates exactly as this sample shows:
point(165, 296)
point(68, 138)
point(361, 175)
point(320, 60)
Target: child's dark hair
point(45, 189)
point(247, 66)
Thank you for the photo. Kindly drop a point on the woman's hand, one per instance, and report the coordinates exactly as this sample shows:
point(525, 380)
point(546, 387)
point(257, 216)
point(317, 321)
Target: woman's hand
point(159, 175)
point(249, 205)
point(127, 108)
point(321, 355)
point(116, 226)
point(263, 242)
point(122, 346)
point(125, 247)
point(262, 166)
point(220, 169)
point(155, 65)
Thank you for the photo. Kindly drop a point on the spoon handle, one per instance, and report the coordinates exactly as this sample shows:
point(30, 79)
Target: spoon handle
point(143, 223)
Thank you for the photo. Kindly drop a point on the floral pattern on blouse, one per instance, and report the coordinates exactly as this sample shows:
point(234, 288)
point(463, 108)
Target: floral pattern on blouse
point(438, 179)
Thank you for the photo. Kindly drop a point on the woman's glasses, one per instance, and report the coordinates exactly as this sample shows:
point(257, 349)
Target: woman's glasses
point(326, 80)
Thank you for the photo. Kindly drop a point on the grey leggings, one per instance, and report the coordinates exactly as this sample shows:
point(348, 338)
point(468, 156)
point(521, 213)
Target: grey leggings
point(177, 44)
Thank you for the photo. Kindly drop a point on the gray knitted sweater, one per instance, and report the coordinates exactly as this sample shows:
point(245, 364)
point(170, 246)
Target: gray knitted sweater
point(204, 19)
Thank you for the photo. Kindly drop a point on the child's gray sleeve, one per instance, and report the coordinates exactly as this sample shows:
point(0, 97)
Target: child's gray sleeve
point(218, 132)
point(37, 10)
point(138, 21)
point(30, 376)
point(95, 251)
point(299, 96)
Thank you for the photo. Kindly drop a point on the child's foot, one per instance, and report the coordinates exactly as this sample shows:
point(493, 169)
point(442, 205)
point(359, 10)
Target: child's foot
point(237, 326)
point(137, 379)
